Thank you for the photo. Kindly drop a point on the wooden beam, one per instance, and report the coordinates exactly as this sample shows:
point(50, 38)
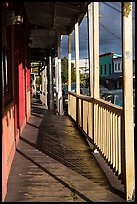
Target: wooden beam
point(69, 61)
point(60, 99)
point(128, 99)
point(69, 69)
point(77, 58)
point(79, 16)
point(95, 49)
point(46, 88)
point(50, 85)
point(90, 47)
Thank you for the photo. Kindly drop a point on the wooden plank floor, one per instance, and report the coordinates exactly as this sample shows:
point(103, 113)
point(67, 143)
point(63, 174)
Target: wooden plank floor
point(53, 163)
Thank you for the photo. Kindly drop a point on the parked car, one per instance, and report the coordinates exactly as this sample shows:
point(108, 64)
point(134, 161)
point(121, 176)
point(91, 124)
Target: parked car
point(102, 89)
point(113, 96)
point(116, 97)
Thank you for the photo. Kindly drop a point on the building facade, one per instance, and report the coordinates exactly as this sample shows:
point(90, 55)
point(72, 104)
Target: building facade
point(15, 83)
point(106, 63)
point(83, 66)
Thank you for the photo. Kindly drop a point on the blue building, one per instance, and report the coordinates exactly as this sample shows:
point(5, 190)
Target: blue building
point(108, 77)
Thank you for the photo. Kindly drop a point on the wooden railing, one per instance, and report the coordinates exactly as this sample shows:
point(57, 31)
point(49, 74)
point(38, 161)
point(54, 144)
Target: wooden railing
point(101, 121)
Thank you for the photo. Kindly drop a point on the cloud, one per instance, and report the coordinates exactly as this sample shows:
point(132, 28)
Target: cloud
point(109, 32)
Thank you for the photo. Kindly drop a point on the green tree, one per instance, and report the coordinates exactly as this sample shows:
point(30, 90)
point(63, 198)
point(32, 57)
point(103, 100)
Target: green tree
point(38, 80)
point(83, 79)
point(64, 66)
point(73, 72)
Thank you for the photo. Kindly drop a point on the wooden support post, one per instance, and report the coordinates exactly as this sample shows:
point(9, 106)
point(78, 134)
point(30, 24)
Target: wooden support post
point(56, 78)
point(128, 99)
point(77, 58)
point(93, 33)
point(35, 85)
point(50, 85)
point(42, 87)
point(46, 92)
point(56, 72)
point(69, 61)
point(60, 89)
point(95, 49)
point(69, 69)
point(90, 47)
point(60, 99)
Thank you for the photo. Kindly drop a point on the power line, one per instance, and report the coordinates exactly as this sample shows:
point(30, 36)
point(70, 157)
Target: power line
point(114, 4)
point(114, 8)
point(105, 29)
point(110, 31)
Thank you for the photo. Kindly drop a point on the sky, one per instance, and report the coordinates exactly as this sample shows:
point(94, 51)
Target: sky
point(109, 32)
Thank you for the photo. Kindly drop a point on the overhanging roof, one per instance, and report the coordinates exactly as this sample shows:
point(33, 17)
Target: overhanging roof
point(50, 19)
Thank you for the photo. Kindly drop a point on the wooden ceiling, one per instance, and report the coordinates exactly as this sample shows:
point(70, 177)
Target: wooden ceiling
point(51, 19)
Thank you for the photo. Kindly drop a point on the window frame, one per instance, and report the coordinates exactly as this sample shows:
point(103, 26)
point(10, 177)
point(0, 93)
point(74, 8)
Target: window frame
point(110, 71)
point(7, 67)
point(115, 67)
point(105, 69)
point(101, 69)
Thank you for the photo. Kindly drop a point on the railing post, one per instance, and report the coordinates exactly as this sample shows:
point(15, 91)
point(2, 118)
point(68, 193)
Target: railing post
point(77, 58)
point(69, 69)
point(128, 99)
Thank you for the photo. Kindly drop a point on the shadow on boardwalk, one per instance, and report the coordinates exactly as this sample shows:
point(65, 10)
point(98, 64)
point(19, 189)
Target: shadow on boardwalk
point(53, 162)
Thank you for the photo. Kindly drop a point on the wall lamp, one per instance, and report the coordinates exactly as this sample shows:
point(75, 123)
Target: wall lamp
point(18, 20)
point(12, 18)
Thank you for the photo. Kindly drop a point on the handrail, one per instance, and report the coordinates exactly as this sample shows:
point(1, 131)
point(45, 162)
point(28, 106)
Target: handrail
point(105, 104)
point(102, 122)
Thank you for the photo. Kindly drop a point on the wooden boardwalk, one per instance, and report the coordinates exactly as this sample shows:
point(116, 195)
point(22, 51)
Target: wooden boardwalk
point(53, 163)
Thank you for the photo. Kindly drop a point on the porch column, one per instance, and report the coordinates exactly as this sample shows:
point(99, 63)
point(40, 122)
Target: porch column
point(128, 99)
point(40, 86)
point(34, 84)
point(93, 37)
point(90, 46)
point(69, 68)
point(77, 58)
point(56, 79)
point(60, 99)
point(95, 12)
point(60, 89)
point(45, 84)
point(50, 85)
point(43, 87)
point(69, 61)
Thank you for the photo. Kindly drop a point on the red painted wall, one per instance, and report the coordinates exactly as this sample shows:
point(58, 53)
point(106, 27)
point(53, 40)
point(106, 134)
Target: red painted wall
point(14, 116)
point(8, 146)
